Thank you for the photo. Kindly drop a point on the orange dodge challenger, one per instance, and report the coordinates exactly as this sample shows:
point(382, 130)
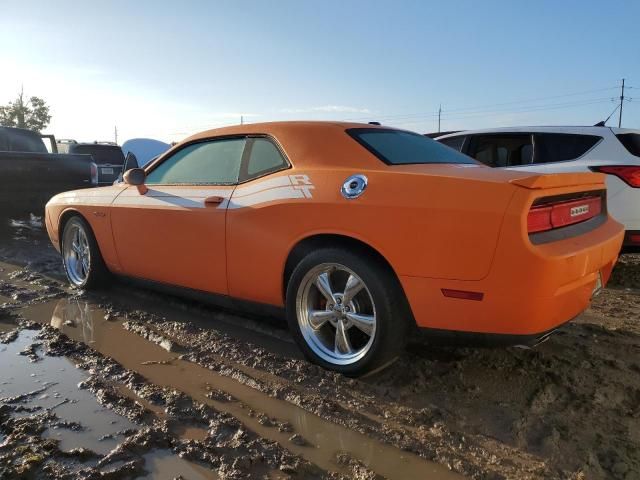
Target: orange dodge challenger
point(360, 232)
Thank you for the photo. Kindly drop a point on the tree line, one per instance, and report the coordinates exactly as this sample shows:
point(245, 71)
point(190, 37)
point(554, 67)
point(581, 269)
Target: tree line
point(31, 113)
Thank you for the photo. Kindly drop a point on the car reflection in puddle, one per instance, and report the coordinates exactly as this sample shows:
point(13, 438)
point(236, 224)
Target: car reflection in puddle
point(70, 313)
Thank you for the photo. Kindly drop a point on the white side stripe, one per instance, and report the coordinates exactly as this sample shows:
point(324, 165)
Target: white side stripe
point(243, 190)
point(284, 187)
point(281, 193)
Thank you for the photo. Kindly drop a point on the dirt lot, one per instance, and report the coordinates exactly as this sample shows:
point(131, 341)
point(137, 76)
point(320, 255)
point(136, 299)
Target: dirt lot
point(130, 383)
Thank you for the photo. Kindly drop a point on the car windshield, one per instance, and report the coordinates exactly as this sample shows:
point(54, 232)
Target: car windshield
point(399, 147)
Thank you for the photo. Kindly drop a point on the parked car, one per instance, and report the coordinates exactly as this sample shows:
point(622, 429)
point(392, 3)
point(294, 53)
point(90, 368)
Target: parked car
point(30, 176)
point(107, 157)
point(359, 233)
point(612, 151)
point(143, 150)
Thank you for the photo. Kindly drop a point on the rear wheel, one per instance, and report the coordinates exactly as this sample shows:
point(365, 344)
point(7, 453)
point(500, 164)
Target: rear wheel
point(346, 312)
point(81, 257)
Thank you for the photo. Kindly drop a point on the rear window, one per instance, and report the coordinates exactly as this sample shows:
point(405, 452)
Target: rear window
point(101, 153)
point(398, 147)
point(18, 140)
point(631, 142)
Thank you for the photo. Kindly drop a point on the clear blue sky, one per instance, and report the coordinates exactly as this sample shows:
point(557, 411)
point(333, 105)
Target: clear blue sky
point(166, 69)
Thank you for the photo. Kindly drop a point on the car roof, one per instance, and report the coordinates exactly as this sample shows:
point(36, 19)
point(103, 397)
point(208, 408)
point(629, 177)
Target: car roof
point(585, 130)
point(279, 127)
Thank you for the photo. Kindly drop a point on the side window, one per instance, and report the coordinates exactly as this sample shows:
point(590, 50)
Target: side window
point(216, 162)
point(504, 150)
point(559, 147)
point(454, 142)
point(264, 158)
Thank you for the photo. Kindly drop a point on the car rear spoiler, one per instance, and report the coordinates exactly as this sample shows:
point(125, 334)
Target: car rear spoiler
point(555, 180)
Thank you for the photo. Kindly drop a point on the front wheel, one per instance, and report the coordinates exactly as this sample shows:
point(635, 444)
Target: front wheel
point(81, 256)
point(346, 311)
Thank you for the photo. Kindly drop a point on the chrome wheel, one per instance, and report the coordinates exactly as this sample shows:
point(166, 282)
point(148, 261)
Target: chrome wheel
point(336, 314)
point(76, 254)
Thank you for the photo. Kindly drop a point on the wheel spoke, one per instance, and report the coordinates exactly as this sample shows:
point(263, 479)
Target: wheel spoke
point(75, 247)
point(324, 285)
point(342, 343)
point(365, 323)
point(351, 289)
point(317, 318)
point(85, 265)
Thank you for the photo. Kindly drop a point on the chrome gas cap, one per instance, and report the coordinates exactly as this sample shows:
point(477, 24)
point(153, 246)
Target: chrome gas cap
point(354, 186)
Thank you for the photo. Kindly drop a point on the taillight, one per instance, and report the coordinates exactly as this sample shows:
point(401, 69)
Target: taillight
point(630, 174)
point(632, 238)
point(94, 174)
point(562, 213)
point(539, 219)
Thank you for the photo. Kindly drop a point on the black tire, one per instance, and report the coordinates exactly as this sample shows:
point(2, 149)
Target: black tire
point(97, 273)
point(392, 314)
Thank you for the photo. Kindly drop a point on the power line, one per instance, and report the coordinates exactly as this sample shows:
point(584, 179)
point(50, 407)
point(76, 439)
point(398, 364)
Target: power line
point(496, 113)
point(585, 92)
point(491, 106)
point(450, 114)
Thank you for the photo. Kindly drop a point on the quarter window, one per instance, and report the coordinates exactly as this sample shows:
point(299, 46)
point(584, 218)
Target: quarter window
point(264, 158)
point(560, 147)
point(631, 142)
point(215, 162)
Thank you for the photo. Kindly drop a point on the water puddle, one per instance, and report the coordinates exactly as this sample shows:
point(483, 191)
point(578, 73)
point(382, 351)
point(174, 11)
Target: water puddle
point(5, 327)
point(164, 465)
point(84, 322)
point(51, 383)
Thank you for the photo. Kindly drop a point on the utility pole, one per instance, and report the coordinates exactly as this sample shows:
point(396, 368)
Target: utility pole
point(621, 102)
point(439, 114)
point(241, 119)
point(115, 133)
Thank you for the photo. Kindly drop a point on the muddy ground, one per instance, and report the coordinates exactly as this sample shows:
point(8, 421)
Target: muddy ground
point(129, 383)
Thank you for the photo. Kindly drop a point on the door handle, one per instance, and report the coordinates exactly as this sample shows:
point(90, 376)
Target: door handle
point(214, 200)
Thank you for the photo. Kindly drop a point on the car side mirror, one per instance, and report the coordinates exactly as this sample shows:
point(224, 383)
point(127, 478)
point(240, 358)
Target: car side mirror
point(135, 177)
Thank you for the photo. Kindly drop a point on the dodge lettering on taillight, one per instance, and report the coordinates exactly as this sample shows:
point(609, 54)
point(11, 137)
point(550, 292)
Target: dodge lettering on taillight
point(580, 210)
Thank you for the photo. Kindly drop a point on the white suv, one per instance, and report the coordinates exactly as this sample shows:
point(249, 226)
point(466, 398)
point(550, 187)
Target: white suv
point(613, 151)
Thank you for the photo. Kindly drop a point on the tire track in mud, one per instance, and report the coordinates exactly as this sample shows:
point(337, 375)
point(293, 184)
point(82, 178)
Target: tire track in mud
point(167, 370)
point(348, 402)
point(500, 414)
point(229, 447)
point(425, 437)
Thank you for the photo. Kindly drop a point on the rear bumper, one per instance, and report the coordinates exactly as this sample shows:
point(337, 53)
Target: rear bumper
point(530, 290)
point(489, 340)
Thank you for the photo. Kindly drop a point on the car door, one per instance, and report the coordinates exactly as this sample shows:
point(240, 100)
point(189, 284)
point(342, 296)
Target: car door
point(175, 232)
